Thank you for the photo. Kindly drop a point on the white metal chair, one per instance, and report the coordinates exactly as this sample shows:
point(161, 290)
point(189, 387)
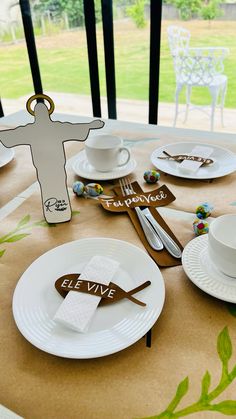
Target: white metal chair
point(201, 66)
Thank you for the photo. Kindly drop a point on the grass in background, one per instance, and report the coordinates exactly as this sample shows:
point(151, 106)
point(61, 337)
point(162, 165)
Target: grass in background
point(64, 64)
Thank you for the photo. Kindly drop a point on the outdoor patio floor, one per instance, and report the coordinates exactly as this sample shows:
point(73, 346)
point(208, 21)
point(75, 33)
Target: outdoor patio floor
point(131, 110)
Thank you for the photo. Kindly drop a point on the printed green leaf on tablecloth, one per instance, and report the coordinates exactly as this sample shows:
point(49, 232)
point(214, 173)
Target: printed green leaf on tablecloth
point(180, 393)
point(16, 238)
point(204, 403)
point(206, 382)
point(23, 221)
point(224, 346)
point(24, 224)
point(2, 252)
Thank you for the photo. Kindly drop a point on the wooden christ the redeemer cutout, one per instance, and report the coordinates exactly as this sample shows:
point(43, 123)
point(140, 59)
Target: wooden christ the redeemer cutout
point(46, 140)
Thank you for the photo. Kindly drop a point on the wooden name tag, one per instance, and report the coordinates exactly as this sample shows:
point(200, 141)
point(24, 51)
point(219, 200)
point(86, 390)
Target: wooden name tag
point(109, 293)
point(181, 157)
point(159, 197)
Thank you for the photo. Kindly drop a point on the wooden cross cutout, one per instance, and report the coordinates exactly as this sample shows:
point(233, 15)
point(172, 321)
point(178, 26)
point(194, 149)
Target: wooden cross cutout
point(46, 140)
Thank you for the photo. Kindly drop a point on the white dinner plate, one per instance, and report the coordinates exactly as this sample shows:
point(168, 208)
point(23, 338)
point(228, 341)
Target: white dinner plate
point(224, 161)
point(113, 327)
point(82, 168)
point(6, 155)
point(200, 269)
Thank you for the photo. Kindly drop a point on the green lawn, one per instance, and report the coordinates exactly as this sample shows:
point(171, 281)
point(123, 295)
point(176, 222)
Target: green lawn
point(64, 64)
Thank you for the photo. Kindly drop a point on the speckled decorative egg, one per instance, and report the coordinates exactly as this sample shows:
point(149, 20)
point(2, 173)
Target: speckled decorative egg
point(204, 210)
point(93, 189)
point(78, 188)
point(200, 227)
point(151, 176)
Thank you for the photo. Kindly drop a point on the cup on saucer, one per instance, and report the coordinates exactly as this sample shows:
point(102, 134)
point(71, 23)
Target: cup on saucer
point(222, 244)
point(104, 152)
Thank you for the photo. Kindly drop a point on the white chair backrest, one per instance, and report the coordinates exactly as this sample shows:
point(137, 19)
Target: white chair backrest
point(196, 66)
point(178, 38)
point(199, 66)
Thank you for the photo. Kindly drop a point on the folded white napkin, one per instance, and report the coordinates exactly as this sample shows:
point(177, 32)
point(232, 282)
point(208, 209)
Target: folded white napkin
point(77, 309)
point(189, 166)
point(8, 414)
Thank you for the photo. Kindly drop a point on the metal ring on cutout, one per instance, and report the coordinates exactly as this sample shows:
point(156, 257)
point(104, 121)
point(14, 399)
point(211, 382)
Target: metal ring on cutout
point(40, 96)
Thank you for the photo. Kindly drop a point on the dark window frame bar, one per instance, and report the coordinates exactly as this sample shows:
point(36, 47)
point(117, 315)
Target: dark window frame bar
point(154, 62)
point(31, 46)
point(90, 28)
point(1, 110)
point(108, 38)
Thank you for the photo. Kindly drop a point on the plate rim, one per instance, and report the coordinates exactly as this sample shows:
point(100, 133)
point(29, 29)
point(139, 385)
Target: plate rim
point(188, 248)
point(186, 176)
point(103, 175)
point(105, 353)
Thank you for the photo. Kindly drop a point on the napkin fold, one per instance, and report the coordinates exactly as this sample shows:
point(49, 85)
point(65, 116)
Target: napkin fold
point(190, 166)
point(77, 309)
point(8, 414)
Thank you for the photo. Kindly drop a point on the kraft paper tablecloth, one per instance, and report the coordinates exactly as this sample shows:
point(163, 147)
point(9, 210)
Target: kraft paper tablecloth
point(135, 383)
point(17, 175)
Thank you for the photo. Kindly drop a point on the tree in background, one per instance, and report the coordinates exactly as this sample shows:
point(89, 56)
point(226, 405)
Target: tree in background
point(206, 9)
point(53, 6)
point(211, 9)
point(187, 8)
point(73, 8)
point(137, 12)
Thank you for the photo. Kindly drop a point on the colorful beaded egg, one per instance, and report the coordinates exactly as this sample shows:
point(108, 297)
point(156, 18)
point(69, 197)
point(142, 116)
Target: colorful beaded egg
point(151, 176)
point(93, 189)
point(200, 227)
point(204, 210)
point(78, 188)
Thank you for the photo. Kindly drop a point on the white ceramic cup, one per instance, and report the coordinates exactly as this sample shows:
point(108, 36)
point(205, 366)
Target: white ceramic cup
point(222, 243)
point(104, 152)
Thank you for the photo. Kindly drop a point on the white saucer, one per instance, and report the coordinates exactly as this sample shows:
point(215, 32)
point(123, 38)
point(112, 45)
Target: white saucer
point(6, 155)
point(82, 168)
point(224, 161)
point(204, 274)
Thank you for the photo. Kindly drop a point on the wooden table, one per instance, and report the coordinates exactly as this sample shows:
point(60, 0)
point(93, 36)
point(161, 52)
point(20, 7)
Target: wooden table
point(193, 335)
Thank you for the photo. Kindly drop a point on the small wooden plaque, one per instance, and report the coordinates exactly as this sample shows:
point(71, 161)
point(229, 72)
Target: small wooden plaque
point(109, 293)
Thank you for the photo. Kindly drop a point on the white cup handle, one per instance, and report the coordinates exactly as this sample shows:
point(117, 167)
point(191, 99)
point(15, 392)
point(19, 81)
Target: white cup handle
point(128, 156)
